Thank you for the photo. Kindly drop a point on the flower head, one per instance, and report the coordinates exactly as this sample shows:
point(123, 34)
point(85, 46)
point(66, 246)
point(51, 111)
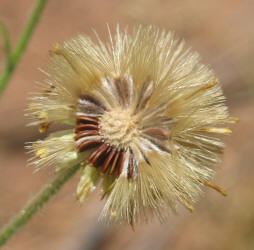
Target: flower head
point(146, 115)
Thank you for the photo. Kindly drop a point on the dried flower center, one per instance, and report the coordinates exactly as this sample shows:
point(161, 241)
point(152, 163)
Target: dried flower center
point(118, 128)
point(116, 122)
point(109, 158)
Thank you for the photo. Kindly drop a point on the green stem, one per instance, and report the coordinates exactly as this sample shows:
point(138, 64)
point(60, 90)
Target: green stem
point(23, 40)
point(36, 204)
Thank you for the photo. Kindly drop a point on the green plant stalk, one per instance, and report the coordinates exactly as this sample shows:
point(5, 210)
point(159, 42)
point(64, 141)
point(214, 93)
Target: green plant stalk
point(36, 204)
point(21, 45)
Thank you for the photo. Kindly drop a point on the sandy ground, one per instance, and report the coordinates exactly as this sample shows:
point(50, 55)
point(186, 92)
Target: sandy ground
point(222, 31)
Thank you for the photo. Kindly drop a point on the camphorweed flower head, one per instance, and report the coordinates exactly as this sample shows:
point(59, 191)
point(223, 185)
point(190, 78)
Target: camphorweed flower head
point(146, 115)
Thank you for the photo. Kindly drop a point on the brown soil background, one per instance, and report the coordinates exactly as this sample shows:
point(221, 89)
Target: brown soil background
point(222, 31)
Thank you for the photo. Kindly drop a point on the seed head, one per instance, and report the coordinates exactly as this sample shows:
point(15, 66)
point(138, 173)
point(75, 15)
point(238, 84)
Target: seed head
point(145, 113)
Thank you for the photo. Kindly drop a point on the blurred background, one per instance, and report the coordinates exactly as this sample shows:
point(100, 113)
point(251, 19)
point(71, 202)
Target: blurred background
point(222, 32)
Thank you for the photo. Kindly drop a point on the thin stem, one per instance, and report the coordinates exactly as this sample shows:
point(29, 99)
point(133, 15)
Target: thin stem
point(23, 40)
point(36, 204)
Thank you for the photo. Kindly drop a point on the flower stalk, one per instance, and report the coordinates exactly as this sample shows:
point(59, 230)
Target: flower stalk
point(13, 58)
point(36, 204)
